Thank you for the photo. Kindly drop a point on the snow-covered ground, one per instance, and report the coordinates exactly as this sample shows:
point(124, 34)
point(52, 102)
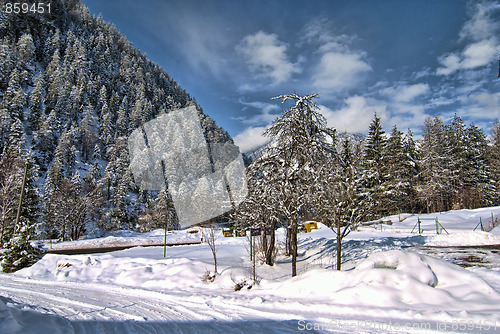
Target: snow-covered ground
point(393, 281)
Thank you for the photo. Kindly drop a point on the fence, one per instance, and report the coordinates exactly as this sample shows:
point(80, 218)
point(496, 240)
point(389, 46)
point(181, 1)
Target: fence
point(439, 227)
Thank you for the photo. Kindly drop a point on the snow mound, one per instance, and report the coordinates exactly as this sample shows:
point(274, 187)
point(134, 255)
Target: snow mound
point(394, 279)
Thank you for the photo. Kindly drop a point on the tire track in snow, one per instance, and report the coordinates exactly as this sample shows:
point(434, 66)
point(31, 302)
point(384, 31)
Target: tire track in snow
point(84, 301)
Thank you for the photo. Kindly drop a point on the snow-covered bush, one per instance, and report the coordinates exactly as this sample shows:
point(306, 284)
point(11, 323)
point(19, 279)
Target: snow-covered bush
point(19, 252)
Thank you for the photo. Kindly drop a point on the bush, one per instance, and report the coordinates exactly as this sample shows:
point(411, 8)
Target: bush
point(19, 252)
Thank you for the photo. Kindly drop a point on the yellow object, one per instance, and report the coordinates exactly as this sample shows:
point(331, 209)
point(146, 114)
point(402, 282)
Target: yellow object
point(311, 226)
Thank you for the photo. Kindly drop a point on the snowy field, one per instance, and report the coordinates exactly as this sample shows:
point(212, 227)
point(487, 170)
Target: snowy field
point(393, 281)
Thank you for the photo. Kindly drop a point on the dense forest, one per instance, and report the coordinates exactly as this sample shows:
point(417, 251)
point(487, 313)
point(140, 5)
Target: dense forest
point(309, 171)
point(72, 88)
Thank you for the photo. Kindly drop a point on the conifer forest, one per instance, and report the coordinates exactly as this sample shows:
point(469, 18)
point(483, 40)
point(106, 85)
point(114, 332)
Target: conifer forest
point(72, 89)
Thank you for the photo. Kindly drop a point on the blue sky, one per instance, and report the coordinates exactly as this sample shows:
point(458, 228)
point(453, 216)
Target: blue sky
point(403, 59)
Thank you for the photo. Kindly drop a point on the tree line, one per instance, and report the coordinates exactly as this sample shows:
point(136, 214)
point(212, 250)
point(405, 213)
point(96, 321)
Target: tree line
point(310, 171)
point(72, 88)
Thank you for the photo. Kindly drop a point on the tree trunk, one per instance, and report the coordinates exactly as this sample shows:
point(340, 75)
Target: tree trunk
point(288, 242)
point(270, 249)
point(339, 248)
point(293, 247)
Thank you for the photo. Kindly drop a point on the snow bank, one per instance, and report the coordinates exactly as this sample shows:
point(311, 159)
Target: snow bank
point(129, 238)
point(396, 280)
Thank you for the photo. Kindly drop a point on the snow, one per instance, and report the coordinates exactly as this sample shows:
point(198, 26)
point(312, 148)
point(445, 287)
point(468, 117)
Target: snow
point(392, 281)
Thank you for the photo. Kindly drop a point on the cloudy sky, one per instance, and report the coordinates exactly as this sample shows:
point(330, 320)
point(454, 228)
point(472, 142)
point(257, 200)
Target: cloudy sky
point(404, 60)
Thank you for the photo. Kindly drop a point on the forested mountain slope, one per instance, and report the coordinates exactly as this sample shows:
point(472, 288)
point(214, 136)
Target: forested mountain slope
point(72, 88)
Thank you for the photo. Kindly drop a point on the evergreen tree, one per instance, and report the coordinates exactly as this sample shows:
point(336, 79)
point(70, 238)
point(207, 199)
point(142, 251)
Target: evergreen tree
point(435, 172)
point(396, 182)
point(374, 165)
point(17, 138)
point(494, 160)
point(411, 173)
point(478, 180)
point(456, 162)
point(11, 173)
point(36, 105)
point(26, 49)
point(19, 252)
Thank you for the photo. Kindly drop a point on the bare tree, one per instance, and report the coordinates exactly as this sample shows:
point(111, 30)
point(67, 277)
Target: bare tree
point(10, 187)
point(210, 237)
point(338, 199)
point(70, 206)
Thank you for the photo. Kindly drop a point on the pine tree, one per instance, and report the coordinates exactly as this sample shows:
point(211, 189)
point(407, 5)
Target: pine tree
point(17, 138)
point(54, 80)
point(14, 99)
point(26, 49)
point(396, 184)
point(19, 252)
point(11, 172)
point(435, 172)
point(411, 173)
point(36, 105)
point(456, 154)
point(494, 160)
point(374, 168)
point(478, 180)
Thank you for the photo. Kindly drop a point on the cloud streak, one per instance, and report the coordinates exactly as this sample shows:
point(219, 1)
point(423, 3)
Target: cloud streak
point(480, 32)
point(266, 57)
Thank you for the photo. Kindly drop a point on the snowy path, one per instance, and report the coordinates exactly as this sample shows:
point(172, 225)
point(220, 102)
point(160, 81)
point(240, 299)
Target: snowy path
point(93, 308)
point(96, 307)
point(102, 308)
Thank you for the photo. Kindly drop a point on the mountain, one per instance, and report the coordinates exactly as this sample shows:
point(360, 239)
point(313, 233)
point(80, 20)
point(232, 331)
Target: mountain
point(72, 89)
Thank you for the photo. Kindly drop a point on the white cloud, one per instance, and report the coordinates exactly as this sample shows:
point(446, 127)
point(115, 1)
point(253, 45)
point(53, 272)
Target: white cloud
point(356, 115)
point(473, 56)
point(481, 24)
point(482, 105)
point(406, 93)
point(339, 67)
point(250, 139)
point(265, 116)
point(480, 53)
point(266, 56)
point(339, 71)
point(480, 31)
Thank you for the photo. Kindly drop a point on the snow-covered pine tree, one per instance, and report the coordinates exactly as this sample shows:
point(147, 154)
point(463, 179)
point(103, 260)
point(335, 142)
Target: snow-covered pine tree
point(299, 144)
point(396, 184)
point(435, 172)
point(456, 153)
point(411, 172)
point(35, 104)
point(478, 180)
point(19, 252)
point(10, 189)
point(494, 160)
point(374, 165)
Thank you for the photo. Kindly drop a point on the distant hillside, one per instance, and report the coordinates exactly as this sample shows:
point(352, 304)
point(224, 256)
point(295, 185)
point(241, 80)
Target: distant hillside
point(72, 88)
